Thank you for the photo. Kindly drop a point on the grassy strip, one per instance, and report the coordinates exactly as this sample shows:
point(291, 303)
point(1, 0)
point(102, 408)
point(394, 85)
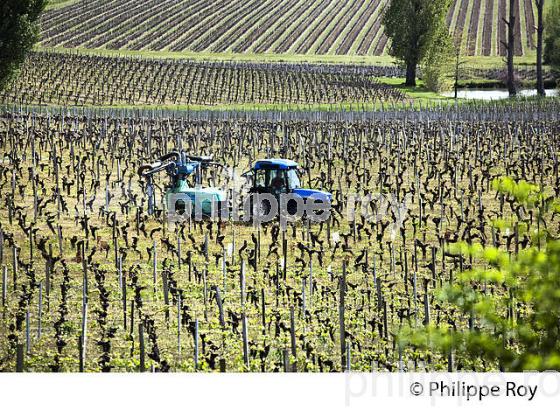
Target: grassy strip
point(477, 61)
point(378, 34)
point(210, 56)
point(58, 4)
point(456, 6)
point(495, 50)
point(523, 26)
point(419, 93)
point(424, 101)
point(480, 29)
point(249, 107)
point(466, 25)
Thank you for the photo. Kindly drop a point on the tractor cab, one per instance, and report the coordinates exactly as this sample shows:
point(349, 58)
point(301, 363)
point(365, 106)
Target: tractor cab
point(275, 176)
point(280, 176)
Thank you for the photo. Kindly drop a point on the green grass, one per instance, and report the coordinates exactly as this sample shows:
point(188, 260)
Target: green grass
point(418, 93)
point(482, 62)
point(57, 4)
point(423, 99)
point(247, 107)
point(418, 97)
point(229, 56)
point(480, 83)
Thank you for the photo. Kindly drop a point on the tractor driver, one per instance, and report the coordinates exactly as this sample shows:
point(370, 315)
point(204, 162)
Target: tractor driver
point(278, 183)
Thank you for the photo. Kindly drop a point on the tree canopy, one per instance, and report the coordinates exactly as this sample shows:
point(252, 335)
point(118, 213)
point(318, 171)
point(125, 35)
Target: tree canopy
point(413, 26)
point(552, 36)
point(19, 31)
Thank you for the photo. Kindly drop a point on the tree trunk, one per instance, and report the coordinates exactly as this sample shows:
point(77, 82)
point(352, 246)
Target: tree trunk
point(457, 64)
point(411, 74)
point(540, 31)
point(511, 49)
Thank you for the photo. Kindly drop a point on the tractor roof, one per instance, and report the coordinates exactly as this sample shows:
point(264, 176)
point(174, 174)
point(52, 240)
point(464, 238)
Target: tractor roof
point(275, 163)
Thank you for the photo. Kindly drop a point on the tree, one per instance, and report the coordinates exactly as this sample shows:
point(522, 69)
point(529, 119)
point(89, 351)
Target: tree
point(19, 31)
point(458, 64)
point(411, 26)
point(540, 34)
point(510, 302)
point(510, 48)
point(437, 64)
point(552, 37)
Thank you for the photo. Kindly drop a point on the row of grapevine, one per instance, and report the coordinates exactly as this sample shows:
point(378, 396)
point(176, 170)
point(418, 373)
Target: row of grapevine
point(91, 282)
point(298, 26)
point(75, 79)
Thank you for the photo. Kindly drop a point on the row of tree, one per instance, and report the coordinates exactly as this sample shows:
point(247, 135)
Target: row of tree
point(419, 37)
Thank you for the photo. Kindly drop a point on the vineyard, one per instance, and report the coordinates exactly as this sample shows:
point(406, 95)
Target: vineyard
point(91, 282)
point(430, 199)
point(269, 26)
point(76, 80)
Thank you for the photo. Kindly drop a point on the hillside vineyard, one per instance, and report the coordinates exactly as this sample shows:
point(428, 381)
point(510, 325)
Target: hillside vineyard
point(321, 27)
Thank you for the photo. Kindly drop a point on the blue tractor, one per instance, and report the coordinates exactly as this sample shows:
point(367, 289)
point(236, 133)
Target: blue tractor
point(179, 166)
point(280, 176)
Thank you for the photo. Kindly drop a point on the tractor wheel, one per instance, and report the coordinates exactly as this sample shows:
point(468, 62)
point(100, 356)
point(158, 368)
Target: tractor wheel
point(218, 211)
point(263, 207)
point(259, 207)
point(180, 207)
point(292, 207)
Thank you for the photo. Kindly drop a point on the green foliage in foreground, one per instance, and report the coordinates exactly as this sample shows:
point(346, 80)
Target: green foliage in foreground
point(19, 31)
point(516, 325)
